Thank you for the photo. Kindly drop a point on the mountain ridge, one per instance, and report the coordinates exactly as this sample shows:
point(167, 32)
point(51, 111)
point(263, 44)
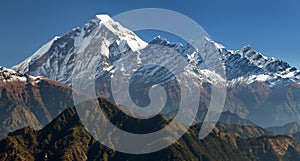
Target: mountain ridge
point(254, 81)
point(66, 139)
point(28, 101)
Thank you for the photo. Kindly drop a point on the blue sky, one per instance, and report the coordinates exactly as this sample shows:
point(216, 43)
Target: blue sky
point(271, 27)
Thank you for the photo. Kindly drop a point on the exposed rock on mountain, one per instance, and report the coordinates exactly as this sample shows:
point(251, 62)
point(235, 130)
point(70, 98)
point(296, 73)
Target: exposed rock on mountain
point(30, 101)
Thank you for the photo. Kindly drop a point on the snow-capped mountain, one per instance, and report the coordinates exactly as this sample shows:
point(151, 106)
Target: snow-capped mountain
point(242, 66)
point(55, 59)
point(254, 81)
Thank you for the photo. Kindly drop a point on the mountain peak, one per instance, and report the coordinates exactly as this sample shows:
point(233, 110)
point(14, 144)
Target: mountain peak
point(247, 48)
point(104, 18)
point(207, 40)
point(159, 40)
point(53, 60)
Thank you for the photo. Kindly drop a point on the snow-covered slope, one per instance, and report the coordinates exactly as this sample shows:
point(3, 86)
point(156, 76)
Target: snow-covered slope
point(108, 39)
point(242, 66)
point(24, 66)
point(261, 89)
point(249, 65)
point(55, 60)
point(9, 75)
point(255, 82)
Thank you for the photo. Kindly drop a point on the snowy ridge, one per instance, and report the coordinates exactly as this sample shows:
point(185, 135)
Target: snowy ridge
point(243, 66)
point(98, 37)
point(104, 18)
point(9, 75)
point(252, 64)
point(270, 70)
point(104, 40)
point(24, 66)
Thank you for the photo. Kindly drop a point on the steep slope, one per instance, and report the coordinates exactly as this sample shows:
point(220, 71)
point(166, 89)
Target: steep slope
point(258, 86)
point(66, 139)
point(100, 36)
point(98, 47)
point(260, 89)
point(34, 101)
point(242, 66)
point(30, 101)
point(267, 105)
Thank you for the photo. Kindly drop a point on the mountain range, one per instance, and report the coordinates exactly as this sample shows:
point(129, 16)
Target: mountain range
point(39, 122)
point(260, 89)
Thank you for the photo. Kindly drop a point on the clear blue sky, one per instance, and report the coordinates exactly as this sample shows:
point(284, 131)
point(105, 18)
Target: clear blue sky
point(270, 26)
